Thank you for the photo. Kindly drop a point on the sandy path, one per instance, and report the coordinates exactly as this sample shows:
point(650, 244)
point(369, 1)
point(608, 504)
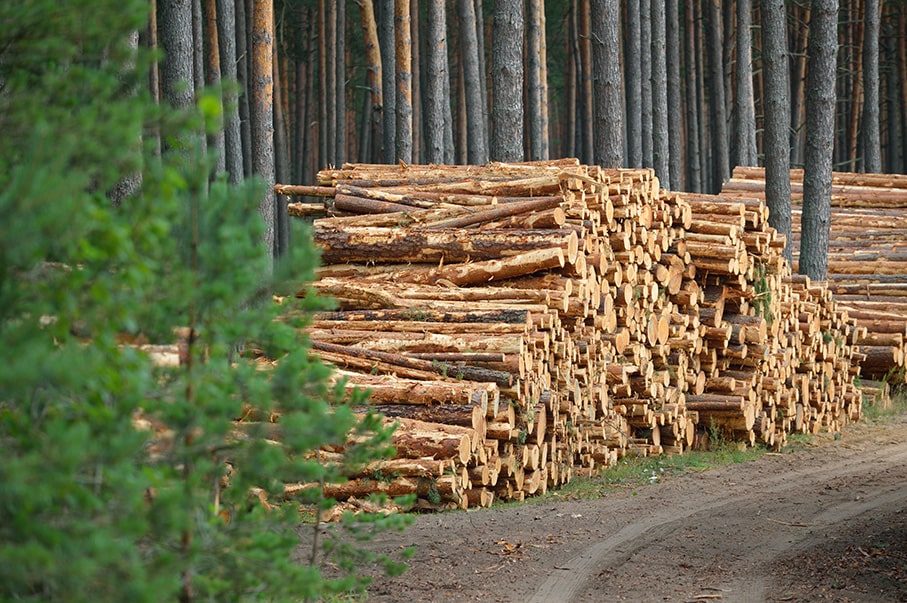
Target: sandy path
point(737, 533)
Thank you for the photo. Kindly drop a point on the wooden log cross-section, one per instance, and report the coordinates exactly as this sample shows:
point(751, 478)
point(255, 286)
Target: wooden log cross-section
point(525, 323)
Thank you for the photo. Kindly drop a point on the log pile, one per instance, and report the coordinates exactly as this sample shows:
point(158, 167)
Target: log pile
point(867, 258)
point(525, 323)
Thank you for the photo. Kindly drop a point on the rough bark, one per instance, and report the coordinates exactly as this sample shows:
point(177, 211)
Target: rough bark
point(437, 108)
point(507, 81)
point(776, 100)
point(608, 122)
point(216, 140)
point(586, 117)
point(693, 160)
point(535, 8)
point(262, 108)
point(175, 34)
point(744, 103)
point(477, 148)
point(340, 87)
point(633, 83)
point(373, 66)
point(820, 129)
point(330, 47)
point(660, 146)
point(226, 29)
point(872, 148)
point(675, 136)
point(388, 79)
point(721, 170)
point(404, 81)
point(645, 43)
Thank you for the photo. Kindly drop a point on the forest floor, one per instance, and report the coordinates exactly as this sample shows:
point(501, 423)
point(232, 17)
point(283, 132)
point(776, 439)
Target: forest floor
point(823, 521)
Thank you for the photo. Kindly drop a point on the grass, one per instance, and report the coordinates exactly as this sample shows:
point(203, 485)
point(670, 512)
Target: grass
point(879, 413)
point(633, 472)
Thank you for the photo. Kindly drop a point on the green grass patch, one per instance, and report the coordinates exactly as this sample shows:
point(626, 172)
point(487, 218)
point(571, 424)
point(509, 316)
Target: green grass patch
point(634, 472)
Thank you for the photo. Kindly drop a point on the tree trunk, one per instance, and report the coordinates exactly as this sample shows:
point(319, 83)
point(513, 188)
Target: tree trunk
point(535, 9)
point(340, 149)
point(633, 84)
point(281, 162)
point(776, 138)
point(216, 140)
point(586, 116)
point(373, 67)
point(175, 29)
point(404, 81)
point(483, 73)
point(507, 81)
point(872, 148)
point(820, 130)
point(416, 70)
point(262, 110)
point(660, 146)
point(330, 96)
point(389, 79)
point(744, 104)
point(437, 108)
point(570, 94)
point(798, 86)
point(721, 171)
point(476, 145)
point(694, 170)
point(226, 29)
point(675, 136)
point(608, 130)
point(645, 71)
point(543, 81)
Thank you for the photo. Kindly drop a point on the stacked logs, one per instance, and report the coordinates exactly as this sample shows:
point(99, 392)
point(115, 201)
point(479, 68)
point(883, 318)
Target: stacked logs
point(867, 258)
point(525, 323)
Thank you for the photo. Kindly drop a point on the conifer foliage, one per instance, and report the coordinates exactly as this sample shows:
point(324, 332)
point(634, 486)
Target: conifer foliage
point(120, 480)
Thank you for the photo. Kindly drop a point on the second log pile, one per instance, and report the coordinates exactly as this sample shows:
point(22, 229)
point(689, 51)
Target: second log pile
point(525, 323)
point(867, 258)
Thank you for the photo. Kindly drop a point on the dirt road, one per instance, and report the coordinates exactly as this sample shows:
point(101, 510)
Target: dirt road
point(828, 523)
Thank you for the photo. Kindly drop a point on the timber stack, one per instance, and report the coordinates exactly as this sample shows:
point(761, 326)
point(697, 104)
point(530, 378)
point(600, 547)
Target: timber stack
point(526, 323)
point(867, 258)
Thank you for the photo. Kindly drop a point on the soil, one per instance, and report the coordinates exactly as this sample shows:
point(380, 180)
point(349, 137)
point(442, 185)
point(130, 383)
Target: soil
point(824, 523)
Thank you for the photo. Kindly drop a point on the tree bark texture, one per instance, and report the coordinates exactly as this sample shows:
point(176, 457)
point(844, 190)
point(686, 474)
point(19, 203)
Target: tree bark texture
point(175, 33)
point(608, 130)
point(262, 108)
point(404, 81)
point(693, 160)
point(645, 71)
point(388, 78)
point(872, 148)
point(226, 30)
point(476, 144)
point(820, 128)
point(535, 10)
point(586, 117)
point(675, 90)
point(633, 83)
point(744, 101)
point(373, 66)
point(216, 140)
point(437, 107)
point(507, 81)
point(660, 145)
point(776, 100)
point(340, 87)
point(721, 171)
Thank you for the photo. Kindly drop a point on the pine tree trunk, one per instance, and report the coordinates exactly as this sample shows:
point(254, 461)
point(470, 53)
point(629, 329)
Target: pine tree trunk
point(175, 32)
point(477, 149)
point(389, 79)
point(404, 81)
point(543, 77)
point(534, 77)
point(416, 63)
point(570, 93)
point(437, 108)
point(872, 148)
point(675, 135)
point(660, 145)
point(820, 131)
point(226, 29)
point(633, 84)
point(373, 68)
point(775, 96)
point(340, 87)
point(744, 104)
point(329, 97)
point(483, 73)
point(798, 88)
point(216, 140)
point(262, 109)
point(608, 130)
point(693, 159)
point(281, 162)
point(585, 114)
point(721, 171)
point(507, 81)
point(645, 72)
